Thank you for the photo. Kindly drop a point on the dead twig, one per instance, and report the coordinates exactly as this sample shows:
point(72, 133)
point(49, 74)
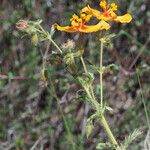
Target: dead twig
point(36, 143)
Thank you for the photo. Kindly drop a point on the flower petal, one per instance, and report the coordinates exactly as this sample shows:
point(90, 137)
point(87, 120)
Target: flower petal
point(94, 28)
point(123, 19)
point(65, 28)
point(99, 15)
point(91, 11)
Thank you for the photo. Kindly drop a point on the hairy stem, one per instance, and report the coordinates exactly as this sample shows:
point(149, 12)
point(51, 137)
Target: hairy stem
point(102, 119)
point(101, 74)
point(83, 63)
point(108, 131)
point(92, 96)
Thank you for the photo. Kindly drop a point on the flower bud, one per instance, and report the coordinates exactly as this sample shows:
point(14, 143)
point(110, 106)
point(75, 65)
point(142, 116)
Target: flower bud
point(22, 25)
point(69, 44)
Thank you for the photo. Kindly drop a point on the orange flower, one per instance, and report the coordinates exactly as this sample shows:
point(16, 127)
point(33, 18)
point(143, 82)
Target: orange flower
point(108, 13)
point(78, 25)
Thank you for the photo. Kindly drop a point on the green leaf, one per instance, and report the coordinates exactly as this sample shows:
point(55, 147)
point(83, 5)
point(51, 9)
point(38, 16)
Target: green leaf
point(89, 77)
point(116, 67)
point(77, 54)
point(95, 68)
point(92, 117)
point(103, 146)
point(72, 68)
point(108, 108)
point(35, 39)
point(128, 140)
point(69, 61)
point(86, 80)
point(69, 58)
point(89, 127)
point(44, 74)
point(107, 39)
point(104, 68)
point(81, 95)
point(35, 23)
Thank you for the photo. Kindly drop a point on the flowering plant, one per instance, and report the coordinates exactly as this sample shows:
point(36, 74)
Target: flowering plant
point(78, 24)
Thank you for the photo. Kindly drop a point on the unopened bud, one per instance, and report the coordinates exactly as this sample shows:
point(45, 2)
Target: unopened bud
point(22, 25)
point(69, 44)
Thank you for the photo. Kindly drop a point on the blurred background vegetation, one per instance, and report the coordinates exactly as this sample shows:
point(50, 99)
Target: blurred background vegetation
point(50, 118)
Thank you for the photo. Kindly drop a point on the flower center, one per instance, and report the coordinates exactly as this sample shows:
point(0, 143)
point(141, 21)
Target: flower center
point(76, 21)
point(108, 7)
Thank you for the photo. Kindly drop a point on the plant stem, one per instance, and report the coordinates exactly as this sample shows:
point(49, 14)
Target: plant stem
point(108, 131)
point(93, 99)
point(102, 119)
point(48, 36)
point(85, 70)
point(53, 42)
point(101, 74)
point(83, 63)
